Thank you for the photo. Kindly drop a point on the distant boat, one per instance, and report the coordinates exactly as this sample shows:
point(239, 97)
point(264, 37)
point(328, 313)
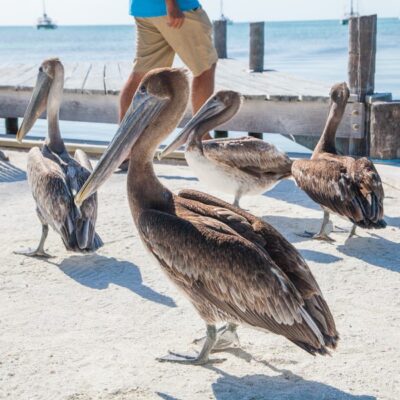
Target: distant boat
point(45, 22)
point(223, 17)
point(351, 14)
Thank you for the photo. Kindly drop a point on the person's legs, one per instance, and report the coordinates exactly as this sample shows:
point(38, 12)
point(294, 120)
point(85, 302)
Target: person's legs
point(202, 89)
point(193, 43)
point(128, 91)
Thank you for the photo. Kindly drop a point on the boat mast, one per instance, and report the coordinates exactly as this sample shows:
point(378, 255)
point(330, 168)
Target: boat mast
point(351, 8)
point(221, 6)
point(44, 7)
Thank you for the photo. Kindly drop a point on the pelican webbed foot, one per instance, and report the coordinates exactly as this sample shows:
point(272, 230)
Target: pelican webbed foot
point(322, 234)
point(227, 338)
point(40, 251)
point(199, 359)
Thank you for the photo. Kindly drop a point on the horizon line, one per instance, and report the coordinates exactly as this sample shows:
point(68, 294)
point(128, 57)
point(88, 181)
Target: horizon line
point(127, 24)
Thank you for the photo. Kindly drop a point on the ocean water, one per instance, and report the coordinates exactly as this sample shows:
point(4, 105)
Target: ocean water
point(310, 49)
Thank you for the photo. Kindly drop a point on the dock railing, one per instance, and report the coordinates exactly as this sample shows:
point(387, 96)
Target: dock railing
point(274, 102)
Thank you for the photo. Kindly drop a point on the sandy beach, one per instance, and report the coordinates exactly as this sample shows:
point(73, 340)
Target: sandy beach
point(80, 327)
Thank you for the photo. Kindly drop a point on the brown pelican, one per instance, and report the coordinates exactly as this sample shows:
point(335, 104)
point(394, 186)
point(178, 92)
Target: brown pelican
point(236, 166)
point(53, 175)
point(232, 266)
point(349, 187)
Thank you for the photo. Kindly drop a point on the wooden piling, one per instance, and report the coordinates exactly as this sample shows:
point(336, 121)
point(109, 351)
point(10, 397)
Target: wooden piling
point(256, 60)
point(362, 55)
point(219, 28)
point(220, 44)
point(11, 126)
point(361, 70)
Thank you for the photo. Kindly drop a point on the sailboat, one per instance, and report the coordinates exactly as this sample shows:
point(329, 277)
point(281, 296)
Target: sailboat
point(223, 17)
point(352, 14)
point(45, 22)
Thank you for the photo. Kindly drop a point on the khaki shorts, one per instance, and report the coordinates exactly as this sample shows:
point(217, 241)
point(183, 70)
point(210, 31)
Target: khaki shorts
point(157, 43)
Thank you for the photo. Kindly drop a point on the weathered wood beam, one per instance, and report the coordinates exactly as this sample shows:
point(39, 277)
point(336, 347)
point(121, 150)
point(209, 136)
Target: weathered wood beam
point(305, 118)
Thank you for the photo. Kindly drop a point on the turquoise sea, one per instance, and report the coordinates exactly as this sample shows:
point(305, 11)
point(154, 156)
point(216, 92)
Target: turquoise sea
point(310, 49)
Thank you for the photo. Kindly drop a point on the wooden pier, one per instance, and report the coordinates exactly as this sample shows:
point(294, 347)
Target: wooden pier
point(274, 102)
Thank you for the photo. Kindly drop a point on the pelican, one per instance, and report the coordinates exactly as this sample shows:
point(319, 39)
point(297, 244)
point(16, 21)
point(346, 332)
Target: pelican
point(54, 176)
point(349, 187)
point(232, 266)
point(236, 166)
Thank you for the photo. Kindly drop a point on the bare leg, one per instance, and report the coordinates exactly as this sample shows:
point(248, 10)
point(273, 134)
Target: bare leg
point(202, 89)
point(322, 234)
point(39, 252)
point(227, 337)
point(199, 359)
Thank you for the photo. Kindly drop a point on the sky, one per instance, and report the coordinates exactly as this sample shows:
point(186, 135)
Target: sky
point(99, 12)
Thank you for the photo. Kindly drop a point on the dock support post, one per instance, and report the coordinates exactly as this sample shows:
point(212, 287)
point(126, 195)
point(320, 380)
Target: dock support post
point(11, 126)
point(361, 70)
point(256, 60)
point(220, 30)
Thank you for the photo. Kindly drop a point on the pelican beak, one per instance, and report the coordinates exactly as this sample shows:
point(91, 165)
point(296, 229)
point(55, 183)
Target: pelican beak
point(143, 110)
point(37, 104)
point(212, 107)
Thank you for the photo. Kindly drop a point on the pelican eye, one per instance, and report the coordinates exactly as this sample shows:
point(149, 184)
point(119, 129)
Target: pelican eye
point(143, 89)
point(40, 69)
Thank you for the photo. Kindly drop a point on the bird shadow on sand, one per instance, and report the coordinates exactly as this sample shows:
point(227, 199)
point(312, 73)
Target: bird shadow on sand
point(177, 177)
point(291, 227)
point(10, 173)
point(286, 385)
point(374, 250)
point(287, 191)
point(166, 396)
point(99, 272)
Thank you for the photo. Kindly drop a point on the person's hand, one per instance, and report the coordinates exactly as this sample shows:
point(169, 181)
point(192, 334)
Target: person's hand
point(176, 17)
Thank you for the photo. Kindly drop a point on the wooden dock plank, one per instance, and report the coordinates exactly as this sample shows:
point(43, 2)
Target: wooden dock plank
point(95, 80)
point(77, 79)
point(112, 78)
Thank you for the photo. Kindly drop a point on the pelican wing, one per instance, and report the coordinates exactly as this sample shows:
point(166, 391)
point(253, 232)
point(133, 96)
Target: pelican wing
point(249, 154)
point(211, 261)
point(350, 188)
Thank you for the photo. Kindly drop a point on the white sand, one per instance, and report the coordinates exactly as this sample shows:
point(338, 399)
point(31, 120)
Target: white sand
point(90, 327)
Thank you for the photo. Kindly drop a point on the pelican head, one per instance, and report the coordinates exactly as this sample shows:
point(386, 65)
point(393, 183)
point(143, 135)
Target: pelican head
point(152, 114)
point(221, 107)
point(340, 93)
point(49, 83)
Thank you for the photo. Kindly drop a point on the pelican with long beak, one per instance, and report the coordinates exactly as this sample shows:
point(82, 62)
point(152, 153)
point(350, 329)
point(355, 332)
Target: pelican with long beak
point(343, 185)
point(243, 166)
point(232, 266)
point(54, 176)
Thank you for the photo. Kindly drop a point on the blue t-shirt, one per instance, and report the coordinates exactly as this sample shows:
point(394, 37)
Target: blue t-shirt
point(157, 8)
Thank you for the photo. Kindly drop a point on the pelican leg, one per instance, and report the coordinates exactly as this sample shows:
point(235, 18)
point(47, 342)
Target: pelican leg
point(237, 199)
point(322, 234)
point(353, 231)
point(200, 359)
point(39, 252)
point(227, 337)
